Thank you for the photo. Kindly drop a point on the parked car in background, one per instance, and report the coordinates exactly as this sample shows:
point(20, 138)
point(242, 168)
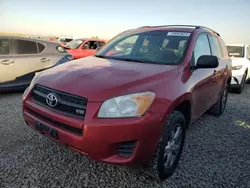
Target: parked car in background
point(240, 55)
point(64, 40)
point(134, 106)
point(84, 47)
point(55, 39)
point(21, 58)
point(36, 37)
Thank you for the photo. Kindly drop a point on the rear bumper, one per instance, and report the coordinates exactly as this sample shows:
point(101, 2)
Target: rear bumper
point(102, 139)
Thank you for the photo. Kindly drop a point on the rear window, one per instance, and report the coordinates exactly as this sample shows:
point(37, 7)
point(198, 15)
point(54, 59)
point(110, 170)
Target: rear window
point(68, 40)
point(155, 47)
point(23, 47)
point(4, 46)
point(235, 51)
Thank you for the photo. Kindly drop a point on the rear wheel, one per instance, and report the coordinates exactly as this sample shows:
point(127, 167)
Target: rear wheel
point(241, 87)
point(169, 147)
point(219, 107)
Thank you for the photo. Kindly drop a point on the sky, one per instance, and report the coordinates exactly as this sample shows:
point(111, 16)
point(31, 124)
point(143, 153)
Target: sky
point(107, 18)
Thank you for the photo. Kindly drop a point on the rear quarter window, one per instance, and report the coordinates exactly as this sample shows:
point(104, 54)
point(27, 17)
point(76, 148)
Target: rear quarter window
point(215, 46)
point(41, 47)
point(4, 46)
point(223, 48)
point(20, 46)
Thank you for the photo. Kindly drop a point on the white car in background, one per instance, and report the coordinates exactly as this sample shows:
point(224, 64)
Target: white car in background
point(240, 55)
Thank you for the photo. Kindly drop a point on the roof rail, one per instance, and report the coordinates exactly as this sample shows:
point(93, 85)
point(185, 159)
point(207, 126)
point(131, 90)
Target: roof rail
point(194, 26)
point(207, 28)
point(170, 26)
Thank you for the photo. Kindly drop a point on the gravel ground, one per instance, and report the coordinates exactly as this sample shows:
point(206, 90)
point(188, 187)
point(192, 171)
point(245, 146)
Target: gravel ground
point(216, 154)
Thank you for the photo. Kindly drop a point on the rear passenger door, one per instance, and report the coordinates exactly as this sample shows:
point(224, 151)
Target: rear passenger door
point(6, 62)
point(218, 78)
point(28, 59)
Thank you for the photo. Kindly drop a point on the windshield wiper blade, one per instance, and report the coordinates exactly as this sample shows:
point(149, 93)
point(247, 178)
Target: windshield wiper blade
point(139, 61)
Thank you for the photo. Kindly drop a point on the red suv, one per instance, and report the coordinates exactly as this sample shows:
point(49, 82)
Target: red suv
point(133, 106)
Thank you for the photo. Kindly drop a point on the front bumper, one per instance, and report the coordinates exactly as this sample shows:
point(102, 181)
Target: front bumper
point(101, 139)
point(237, 76)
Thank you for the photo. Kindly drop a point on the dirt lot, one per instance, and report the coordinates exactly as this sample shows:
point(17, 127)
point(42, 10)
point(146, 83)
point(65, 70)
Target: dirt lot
point(216, 154)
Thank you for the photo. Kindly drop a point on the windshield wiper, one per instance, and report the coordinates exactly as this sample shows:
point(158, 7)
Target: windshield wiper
point(139, 61)
point(100, 56)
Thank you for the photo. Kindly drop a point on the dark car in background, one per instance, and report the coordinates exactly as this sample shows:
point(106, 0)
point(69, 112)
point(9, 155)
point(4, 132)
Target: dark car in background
point(21, 58)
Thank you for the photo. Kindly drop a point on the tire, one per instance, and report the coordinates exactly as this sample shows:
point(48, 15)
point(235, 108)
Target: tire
point(219, 107)
point(156, 168)
point(241, 87)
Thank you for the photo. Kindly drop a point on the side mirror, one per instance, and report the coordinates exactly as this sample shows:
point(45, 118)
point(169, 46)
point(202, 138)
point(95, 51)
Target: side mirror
point(207, 61)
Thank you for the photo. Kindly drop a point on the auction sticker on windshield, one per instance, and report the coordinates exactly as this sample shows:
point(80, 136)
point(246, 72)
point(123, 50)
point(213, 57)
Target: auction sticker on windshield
point(183, 34)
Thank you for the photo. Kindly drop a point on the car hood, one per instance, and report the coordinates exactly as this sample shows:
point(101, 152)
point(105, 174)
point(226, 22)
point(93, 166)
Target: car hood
point(240, 61)
point(98, 79)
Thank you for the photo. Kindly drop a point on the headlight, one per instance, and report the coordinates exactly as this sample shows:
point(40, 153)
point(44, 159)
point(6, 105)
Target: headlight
point(238, 67)
point(61, 49)
point(32, 83)
point(132, 105)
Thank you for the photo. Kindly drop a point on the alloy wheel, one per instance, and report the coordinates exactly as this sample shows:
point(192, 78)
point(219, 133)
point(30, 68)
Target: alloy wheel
point(173, 146)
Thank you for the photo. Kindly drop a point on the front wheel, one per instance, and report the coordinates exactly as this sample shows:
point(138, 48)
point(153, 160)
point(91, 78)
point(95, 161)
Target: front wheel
point(169, 147)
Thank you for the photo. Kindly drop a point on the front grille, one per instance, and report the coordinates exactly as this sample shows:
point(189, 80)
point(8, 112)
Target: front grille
point(126, 149)
point(68, 104)
point(56, 123)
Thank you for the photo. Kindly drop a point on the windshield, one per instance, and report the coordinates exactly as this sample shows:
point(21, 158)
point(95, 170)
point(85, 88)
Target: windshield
point(235, 51)
point(74, 44)
point(156, 47)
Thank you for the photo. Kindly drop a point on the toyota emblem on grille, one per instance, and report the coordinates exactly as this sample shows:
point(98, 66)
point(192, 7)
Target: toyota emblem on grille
point(51, 100)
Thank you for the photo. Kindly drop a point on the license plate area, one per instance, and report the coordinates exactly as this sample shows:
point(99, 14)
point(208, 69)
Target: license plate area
point(46, 130)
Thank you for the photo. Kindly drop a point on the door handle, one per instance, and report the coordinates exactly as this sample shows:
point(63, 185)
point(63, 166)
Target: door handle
point(7, 62)
point(45, 59)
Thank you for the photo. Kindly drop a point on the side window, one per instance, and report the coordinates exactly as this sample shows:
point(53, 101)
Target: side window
point(4, 46)
point(23, 47)
point(41, 47)
point(201, 47)
point(101, 44)
point(182, 44)
point(128, 43)
point(215, 47)
point(223, 48)
point(123, 47)
point(91, 45)
point(165, 43)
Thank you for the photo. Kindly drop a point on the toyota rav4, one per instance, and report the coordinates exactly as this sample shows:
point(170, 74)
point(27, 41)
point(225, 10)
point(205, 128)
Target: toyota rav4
point(132, 102)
